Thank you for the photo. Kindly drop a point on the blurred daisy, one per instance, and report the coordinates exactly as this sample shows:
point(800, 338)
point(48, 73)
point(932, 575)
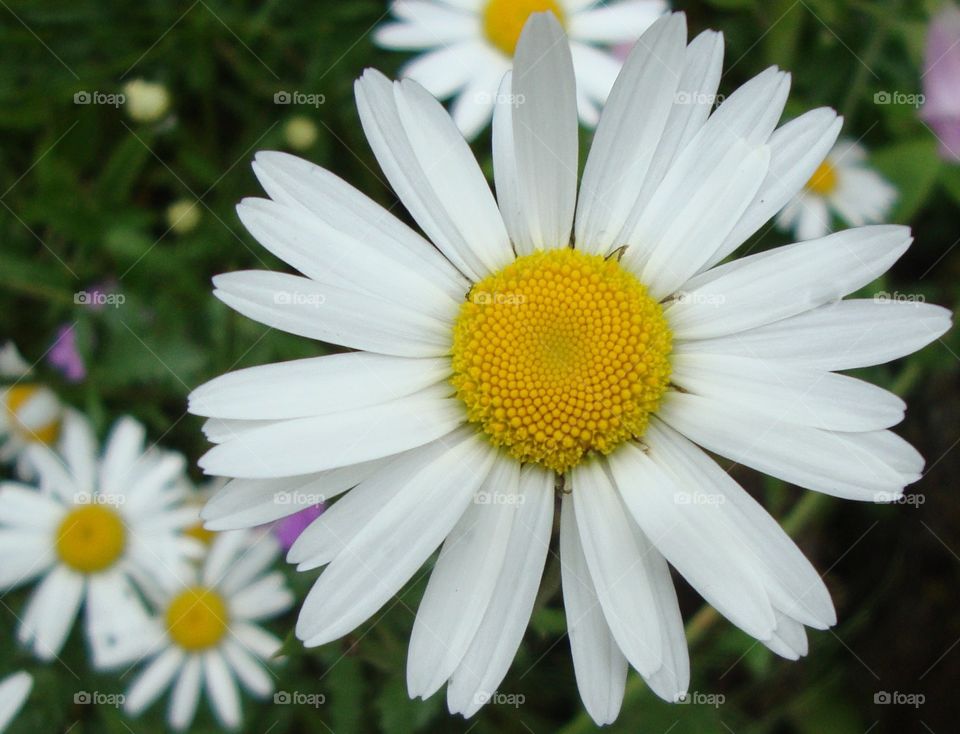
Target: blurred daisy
point(469, 45)
point(208, 636)
point(30, 413)
point(14, 690)
point(843, 185)
point(589, 340)
point(95, 525)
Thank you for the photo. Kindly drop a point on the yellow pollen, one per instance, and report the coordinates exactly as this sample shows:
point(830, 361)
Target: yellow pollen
point(197, 618)
point(91, 538)
point(503, 20)
point(824, 179)
point(560, 354)
point(198, 532)
point(16, 397)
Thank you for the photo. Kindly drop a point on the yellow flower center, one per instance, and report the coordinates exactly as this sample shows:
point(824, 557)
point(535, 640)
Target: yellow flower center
point(91, 538)
point(198, 532)
point(503, 20)
point(17, 396)
point(824, 179)
point(560, 354)
point(197, 618)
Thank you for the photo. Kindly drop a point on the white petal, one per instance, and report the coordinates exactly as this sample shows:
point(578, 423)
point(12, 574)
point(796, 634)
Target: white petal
point(494, 646)
point(599, 666)
point(806, 396)
point(222, 689)
point(619, 577)
point(52, 472)
point(545, 133)
point(796, 149)
point(463, 581)
point(431, 168)
point(264, 598)
point(315, 386)
point(14, 690)
point(838, 336)
point(153, 681)
point(124, 446)
point(615, 22)
point(473, 107)
point(244, 503)
point(259, 556)
point(249, 671)
point(328, 255)
point(26, 554)
point(785, 281)
point(224, 551)
point(318, 311)
point(79, 446)
point(116, 620)
point(630, 128)
point(445, 70)
point(296, 182)
point(305, 445)
point(840, 464)
point(389, 549)
point(186, 694)
point(596, 71)
point(424, 25)
point(24, 508)
point(51, 611)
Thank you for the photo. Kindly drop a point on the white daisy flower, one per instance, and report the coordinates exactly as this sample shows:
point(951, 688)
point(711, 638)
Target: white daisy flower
point(93, 528)
point(207, 635)
point(844, 186)
point(469, 45)
point(14, 690)
point(30, 413)
point(592, 340)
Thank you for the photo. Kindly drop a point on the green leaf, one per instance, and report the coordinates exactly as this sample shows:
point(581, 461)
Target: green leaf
point(913, 167)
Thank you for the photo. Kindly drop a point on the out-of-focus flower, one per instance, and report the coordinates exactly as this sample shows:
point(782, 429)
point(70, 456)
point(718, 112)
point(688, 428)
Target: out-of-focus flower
point(843, 185)
point(183, 216)
point(289, 528)
point(300, 132)
point(30, 413)
point(95, 526)
point(146, 101)
point(207, 636)
point(14, 690)
point(469, 45)
point(941, 80)
point(65, 356)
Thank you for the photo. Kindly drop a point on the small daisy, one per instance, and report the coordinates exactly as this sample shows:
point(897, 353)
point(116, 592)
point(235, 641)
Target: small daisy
point(843, 185)
point(94, 527)
point(30, 413)
point(469, 45)
point(14, 690)
point(590, 341)
point(207, 634)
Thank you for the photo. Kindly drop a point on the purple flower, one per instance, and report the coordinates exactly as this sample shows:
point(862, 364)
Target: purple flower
point(941, 81)
point(65, 357)
point(288, 529)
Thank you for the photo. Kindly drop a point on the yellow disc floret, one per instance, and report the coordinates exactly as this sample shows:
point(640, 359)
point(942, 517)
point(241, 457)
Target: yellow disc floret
point(503, 20)
point(824, 179)
point(91, 538)
point(197, 618)
point(560, 354)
